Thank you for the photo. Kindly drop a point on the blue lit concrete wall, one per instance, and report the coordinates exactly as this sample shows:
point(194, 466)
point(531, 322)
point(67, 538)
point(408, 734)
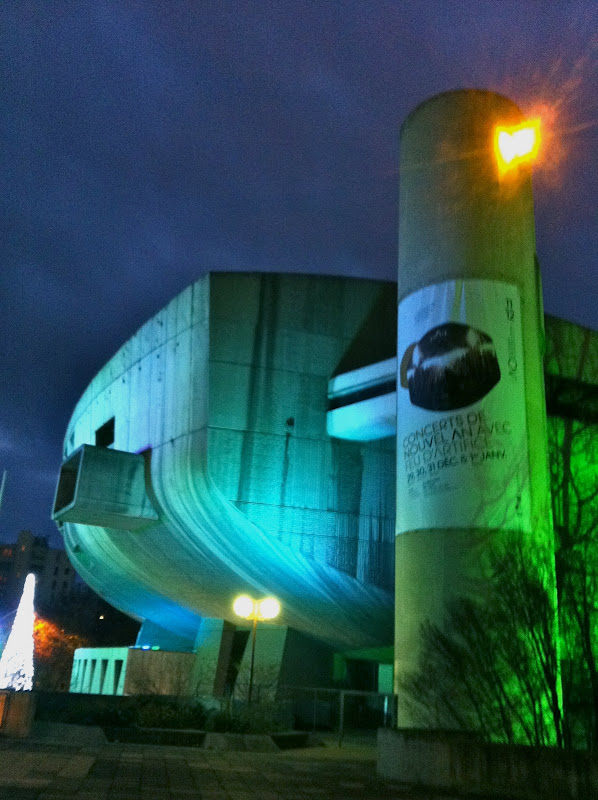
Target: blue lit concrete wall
point(272, 344)
point(130, 671)
point(226, 387)
point(99, 670)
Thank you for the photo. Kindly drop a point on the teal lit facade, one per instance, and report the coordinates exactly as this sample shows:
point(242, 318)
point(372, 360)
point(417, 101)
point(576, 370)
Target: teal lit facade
point(243, 441)
point(197, 466)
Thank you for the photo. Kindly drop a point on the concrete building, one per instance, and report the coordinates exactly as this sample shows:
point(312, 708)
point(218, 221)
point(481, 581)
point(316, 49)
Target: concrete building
point(198, 467)
point(243, 441)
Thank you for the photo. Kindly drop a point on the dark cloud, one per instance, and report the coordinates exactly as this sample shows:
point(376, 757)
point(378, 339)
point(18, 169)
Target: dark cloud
point(147, 142)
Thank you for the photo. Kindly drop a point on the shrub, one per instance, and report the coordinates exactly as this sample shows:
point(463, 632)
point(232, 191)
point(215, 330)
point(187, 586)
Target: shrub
point(168, 712)
point(254, 718)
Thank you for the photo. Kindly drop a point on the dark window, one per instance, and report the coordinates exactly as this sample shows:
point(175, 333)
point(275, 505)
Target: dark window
point(362, 674)
point(105, 434)
point(94, 662)
point(118, 667)
point(103, 674)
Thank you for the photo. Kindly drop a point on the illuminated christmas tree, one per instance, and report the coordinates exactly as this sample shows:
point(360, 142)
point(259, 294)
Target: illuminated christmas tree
point(16, 664)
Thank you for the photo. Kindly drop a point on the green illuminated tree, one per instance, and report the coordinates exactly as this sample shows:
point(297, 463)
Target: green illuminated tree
point(572, 361)
point(493, 666)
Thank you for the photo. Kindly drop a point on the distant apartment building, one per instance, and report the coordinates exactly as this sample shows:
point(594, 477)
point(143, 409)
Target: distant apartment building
point(54, 573)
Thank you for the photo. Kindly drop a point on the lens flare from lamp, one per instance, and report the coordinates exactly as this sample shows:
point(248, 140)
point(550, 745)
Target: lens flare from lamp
point(516, 144)
point(243, 606)
point(268, 608)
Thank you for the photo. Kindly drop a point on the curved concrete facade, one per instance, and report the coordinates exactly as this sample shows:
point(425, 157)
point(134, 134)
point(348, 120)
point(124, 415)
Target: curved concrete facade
point(236, 486)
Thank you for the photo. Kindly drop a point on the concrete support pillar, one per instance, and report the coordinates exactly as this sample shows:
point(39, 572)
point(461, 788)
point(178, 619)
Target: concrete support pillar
point(472, 463)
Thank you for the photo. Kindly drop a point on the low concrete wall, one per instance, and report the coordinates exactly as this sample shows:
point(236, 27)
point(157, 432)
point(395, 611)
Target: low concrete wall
point(17, 714)
point(461, 762)
point(256, 742)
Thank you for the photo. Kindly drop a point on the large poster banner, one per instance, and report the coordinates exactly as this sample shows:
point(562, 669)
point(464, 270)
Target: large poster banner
point(462, 455)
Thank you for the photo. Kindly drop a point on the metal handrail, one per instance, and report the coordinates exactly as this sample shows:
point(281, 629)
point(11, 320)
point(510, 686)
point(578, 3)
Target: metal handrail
point(389, 710)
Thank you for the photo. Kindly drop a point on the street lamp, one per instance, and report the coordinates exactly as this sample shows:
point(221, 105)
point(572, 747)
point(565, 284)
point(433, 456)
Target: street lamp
point(516, 144)
point(248, 608)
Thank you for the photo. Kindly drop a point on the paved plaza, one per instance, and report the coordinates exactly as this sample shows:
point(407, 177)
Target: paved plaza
point(44, 768)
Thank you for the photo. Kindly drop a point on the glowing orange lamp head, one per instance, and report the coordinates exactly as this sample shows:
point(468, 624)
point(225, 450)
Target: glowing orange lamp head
point(516, 144)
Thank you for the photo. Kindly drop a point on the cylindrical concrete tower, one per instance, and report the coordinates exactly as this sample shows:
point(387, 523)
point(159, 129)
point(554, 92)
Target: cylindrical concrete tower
point(471, 422)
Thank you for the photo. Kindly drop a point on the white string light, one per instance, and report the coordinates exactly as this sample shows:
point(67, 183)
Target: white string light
point(16, 664)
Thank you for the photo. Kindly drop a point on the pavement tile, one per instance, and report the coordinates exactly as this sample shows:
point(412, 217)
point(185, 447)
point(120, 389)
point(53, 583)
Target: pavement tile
point(91, 795)
point(47, 796)
point(77, 767)
point(242, 795)
point(23, 782)
point(30, 771)
point(23, 794)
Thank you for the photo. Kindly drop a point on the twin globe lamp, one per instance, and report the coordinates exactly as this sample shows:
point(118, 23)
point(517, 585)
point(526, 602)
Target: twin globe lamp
point(256, 610)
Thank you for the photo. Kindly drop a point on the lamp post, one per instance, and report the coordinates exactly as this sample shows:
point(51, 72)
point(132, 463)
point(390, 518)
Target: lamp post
point(248, 608)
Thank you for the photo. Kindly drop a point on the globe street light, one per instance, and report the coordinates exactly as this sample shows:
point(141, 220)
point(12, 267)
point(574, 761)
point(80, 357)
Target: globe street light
point(248, 608)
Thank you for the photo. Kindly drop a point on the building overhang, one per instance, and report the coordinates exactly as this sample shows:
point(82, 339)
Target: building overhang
point(104, 487)
point(362, 403)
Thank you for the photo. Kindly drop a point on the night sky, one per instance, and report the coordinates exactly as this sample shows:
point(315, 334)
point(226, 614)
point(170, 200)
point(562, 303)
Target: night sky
point(145, 143)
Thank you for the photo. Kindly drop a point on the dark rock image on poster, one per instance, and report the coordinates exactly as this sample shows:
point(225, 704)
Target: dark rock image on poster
point(452, 366)
point(463, 459)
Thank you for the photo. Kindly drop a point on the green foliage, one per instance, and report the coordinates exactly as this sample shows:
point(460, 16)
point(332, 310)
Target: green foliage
point(169, 712)
point(493, 667)
point(254, 718)
point(109, 716)
point(160, 711)
point(85, 709)
point(575, 509)
point(573, 450)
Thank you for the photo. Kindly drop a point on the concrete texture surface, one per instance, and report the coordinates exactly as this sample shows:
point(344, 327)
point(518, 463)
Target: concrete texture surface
point(226, 387)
